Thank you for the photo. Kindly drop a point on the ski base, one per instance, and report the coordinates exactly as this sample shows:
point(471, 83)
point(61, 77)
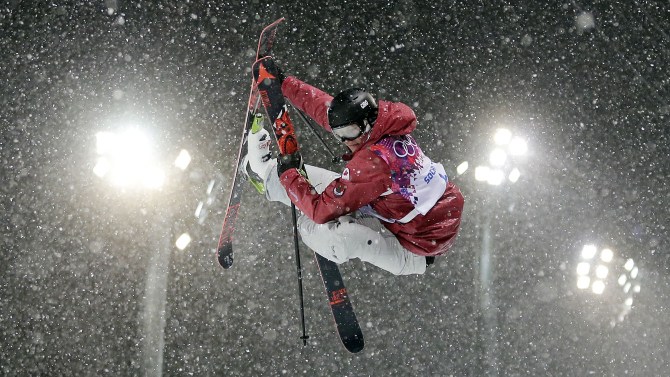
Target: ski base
point(346, 322)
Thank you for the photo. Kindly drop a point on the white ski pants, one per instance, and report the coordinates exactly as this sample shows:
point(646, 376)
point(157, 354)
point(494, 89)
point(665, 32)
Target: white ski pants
point(347, 238)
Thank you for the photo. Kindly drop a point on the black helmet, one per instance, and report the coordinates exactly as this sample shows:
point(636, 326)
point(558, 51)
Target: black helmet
point(352, 106)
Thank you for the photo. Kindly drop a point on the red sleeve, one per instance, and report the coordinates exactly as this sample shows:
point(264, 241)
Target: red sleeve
point(369, 177)
point(309, 99)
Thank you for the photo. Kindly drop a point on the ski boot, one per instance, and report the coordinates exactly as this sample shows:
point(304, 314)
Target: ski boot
point(257, 163)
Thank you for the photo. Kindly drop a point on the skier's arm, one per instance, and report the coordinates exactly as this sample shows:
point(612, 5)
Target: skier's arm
point(309, 99)
point(366, 182)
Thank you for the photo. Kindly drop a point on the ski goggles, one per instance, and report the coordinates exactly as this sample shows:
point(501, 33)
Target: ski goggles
point(348, 132)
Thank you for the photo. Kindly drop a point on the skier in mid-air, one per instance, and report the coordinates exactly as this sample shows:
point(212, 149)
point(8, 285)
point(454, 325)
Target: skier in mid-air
point(391, 207)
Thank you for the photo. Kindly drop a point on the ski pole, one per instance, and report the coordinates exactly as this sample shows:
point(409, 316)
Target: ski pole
point(309, 125)
point(304, 336)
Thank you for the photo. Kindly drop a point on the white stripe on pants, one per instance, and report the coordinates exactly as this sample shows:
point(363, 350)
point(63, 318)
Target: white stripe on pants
point(348, 238)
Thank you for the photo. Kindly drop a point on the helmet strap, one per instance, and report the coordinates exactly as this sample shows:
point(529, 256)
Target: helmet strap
point(367, 126)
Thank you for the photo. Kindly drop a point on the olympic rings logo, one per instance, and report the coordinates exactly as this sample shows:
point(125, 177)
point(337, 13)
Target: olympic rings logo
point(404, 148)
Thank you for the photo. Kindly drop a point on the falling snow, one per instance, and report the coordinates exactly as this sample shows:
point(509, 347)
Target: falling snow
point(564, 272)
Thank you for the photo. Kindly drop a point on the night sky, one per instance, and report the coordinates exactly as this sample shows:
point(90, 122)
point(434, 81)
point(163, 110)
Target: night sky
point(584, 83)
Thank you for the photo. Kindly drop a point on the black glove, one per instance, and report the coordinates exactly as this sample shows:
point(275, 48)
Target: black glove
point(289, 161)
point(272, 68)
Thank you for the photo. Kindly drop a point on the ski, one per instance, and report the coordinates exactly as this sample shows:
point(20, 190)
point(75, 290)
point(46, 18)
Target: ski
point(346, 322)
point(269, 88)
point(224, 250)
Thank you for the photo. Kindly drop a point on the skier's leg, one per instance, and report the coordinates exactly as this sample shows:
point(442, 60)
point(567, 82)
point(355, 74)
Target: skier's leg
point(274, 191)
point(346, 239)
point(258, 157)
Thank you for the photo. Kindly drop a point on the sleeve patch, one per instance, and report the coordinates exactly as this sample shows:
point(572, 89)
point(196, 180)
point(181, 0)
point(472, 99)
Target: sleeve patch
point(338, 190)
point(346, 174)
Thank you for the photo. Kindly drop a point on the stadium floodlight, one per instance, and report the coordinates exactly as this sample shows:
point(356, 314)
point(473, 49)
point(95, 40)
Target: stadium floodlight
point(126, 158)
point(183, 159)
point(598, 287)
point(514, 175)
point(589, 251)
point(633, 272)
point(183, 241)
point(482, 173)
point(496, 177)
point(602, 271)
point(606, 255)
point(583, 268)
point(629, 265)
point(583, 282)
point(462, 168)
point(497, 157)
point(616, 280)
point(517, 146)
point(502, 136)
point(500, 165)
point(497, 170)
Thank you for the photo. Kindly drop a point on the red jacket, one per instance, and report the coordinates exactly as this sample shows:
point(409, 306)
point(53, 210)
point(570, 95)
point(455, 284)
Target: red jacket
point(367, 176)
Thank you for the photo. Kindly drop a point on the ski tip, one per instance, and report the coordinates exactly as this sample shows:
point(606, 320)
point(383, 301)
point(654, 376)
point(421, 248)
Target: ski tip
point(281, 19)
point(225, 256)
point(355, 345)
point(353, 341)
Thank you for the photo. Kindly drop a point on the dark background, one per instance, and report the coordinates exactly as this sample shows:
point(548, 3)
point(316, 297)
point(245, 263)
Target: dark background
point(592, 102)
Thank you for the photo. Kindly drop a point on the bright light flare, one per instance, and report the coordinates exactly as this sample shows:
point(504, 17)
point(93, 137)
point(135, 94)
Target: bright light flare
point(602, 271)
point(102, 167)
point(183, 160)
point(183, 241)
point(626, 287)
point(514, 175)
point(462, 168)
point(598, 287)
point(126, 159)
point(606, 255)
point(210, 187)
point(503, 136)
point(589, 251)
point(517, 146)
point(583, 268)
point(198, 209)
point(583, 282)
point(153, 178)
point(493, 177)
point(629, 265)
point(105, 142)
point(496, 177)
point(498, 157)
point(482, 173)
